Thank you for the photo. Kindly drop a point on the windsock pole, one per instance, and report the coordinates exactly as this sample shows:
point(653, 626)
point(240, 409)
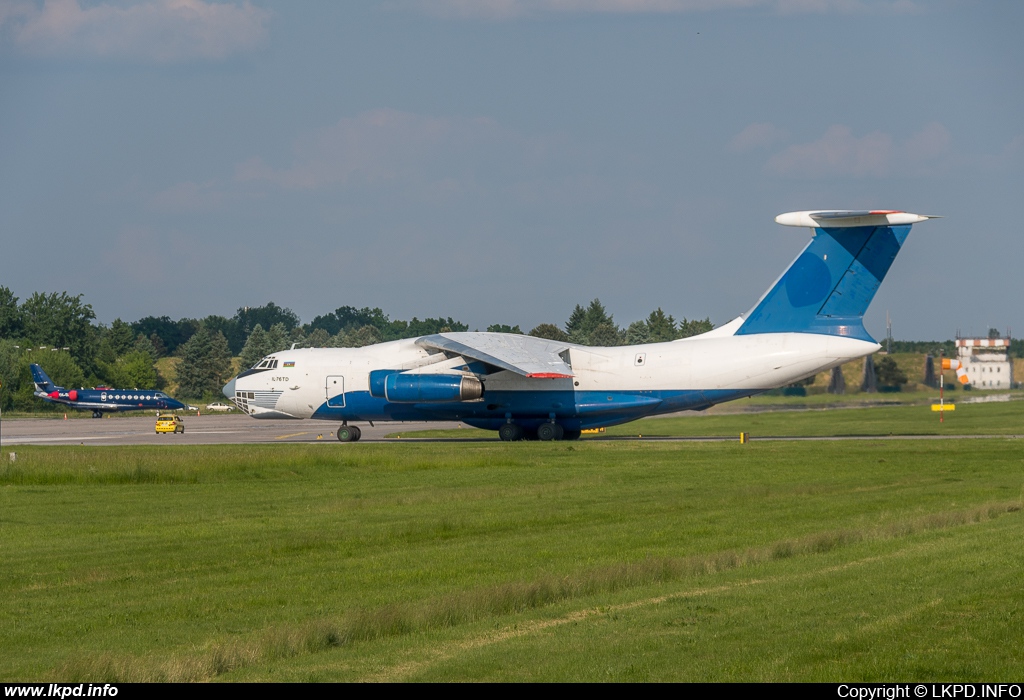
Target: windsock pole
point(961, 375)
point(941, 384)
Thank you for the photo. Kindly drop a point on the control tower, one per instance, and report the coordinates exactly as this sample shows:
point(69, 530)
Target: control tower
point(987, 361)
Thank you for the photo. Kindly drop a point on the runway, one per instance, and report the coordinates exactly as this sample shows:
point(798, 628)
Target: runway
point(242, 430)
point(199, 430)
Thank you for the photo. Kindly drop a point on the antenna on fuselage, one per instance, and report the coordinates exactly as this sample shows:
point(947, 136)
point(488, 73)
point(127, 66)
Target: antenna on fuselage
point(888, 333)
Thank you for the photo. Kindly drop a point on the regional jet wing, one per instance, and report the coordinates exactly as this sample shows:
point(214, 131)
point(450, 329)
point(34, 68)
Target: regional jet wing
point(522, 354)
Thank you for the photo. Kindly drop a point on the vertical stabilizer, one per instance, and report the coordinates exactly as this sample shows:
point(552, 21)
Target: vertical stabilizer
point(828, 288)
point(42, 381)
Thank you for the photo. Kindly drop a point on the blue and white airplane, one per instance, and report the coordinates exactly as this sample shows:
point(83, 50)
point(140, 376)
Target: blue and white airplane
point(809, 321)
point(101, 400)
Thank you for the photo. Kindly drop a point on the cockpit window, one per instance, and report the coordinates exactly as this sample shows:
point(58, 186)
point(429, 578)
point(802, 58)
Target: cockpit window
point(267, 363)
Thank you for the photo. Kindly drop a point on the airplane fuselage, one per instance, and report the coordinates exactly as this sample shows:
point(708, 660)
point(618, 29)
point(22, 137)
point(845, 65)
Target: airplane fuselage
point(111, 400)
point(809, 320)
point(609, 385)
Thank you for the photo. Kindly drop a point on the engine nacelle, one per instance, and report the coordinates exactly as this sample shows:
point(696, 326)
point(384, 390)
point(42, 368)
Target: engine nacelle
point(397, 387)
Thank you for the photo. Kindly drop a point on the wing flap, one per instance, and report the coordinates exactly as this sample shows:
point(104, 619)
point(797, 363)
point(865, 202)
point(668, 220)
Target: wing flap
point(522, 354)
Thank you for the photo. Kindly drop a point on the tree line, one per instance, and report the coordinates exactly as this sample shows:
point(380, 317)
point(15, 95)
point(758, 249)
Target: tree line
point(59, 331)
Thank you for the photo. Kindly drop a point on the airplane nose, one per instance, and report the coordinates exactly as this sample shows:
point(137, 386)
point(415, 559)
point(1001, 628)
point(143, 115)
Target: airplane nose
point(229, 389)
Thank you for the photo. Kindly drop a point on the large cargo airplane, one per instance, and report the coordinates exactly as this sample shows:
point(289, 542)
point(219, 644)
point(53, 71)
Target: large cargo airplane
point(809, 321)
point(101, 400)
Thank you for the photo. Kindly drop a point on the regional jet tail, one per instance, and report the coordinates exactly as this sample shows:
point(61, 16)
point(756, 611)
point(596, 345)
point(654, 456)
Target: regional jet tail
point(810, 320)
point(101, 400)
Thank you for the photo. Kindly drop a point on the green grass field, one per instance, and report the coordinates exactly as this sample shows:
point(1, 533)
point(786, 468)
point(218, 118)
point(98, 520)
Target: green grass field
point(594, 560)
point(998, 418)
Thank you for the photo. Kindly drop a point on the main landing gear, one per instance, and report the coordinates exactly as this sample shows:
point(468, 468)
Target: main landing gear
point(349, 433)
point(510, 432)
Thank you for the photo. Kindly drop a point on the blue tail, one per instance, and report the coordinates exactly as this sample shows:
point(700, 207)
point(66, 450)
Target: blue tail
point(42, 381)
point(828, 288)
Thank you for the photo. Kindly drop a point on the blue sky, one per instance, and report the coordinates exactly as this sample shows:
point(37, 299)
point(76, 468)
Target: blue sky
point(500, 161)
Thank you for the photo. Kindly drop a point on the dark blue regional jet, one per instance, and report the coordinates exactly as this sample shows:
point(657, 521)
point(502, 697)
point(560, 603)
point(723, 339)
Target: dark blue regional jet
point(101, 400)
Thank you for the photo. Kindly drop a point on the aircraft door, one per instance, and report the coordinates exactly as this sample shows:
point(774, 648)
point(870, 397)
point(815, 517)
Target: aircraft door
point(336, 391)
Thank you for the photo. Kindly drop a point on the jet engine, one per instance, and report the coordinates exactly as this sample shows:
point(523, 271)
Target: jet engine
point(397, 387)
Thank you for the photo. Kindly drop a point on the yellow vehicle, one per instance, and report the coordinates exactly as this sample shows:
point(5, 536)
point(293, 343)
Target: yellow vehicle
point(170, 424)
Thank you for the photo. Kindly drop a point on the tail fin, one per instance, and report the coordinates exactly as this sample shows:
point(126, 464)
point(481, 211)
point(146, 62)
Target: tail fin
point(829, 286)
point(42, 381)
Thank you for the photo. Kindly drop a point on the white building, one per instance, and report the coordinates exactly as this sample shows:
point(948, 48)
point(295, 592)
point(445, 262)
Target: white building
point(987, 361)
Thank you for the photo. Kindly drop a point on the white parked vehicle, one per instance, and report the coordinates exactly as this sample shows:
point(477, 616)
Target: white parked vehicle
point(219, 407)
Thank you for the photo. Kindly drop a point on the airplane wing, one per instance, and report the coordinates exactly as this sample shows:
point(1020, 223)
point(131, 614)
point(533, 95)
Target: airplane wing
point(522, 354)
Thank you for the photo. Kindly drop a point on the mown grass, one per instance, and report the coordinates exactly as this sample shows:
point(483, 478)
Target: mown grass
point(1002, 418)
point(344, 561)
point(999, 418)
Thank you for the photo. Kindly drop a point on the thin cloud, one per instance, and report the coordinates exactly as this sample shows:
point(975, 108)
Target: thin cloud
point(163, 31)
point(839, 153)
point(384, 146)
point(511, 9)
point(847, 7)
point(188, 197)
point(131, 258)
point(444, 162)
point(929, 143)
point(754, 136)
point(1009, 159)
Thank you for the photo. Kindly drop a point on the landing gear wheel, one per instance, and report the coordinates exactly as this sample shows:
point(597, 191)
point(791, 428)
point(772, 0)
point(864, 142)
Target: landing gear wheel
point(346, 433)
point(571, 435)
point(510, 432)
point(97, 414)
point(550, 431)
point(356, 433)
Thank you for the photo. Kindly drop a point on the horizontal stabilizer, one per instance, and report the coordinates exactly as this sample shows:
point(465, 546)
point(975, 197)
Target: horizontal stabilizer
point(847, 219)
